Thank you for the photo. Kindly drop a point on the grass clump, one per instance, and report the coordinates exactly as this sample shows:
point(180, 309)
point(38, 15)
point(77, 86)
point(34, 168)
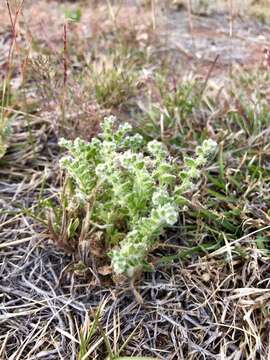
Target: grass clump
point(5, 121)
point(5, 130)
point(112, 83)
point(170, 107)
point(130, 189)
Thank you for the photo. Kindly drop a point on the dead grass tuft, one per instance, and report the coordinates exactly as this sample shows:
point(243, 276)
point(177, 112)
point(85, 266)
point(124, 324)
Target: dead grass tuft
point(208, 297)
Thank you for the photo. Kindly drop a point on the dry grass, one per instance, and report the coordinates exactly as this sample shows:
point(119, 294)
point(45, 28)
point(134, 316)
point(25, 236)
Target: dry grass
point(209, 295)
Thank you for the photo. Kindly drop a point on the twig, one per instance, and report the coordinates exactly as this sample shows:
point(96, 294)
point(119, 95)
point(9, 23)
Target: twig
point(209, 74)
point(230, 5)
point(65, 65)
point(153, 13)
point(189, 7)
point(65, 55)
point(13, 22)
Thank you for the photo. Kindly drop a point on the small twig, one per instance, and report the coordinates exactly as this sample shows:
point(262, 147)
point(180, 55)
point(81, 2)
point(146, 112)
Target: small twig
point(153, 13)
point(15, 242)
point(189, 7)
point(135, 292)
point(230, 5)
point(6, 81)
point(13, 22)
point(65, 55)
point(209, 74)
point(65, 65)
point(112, 15)
point(162, 127)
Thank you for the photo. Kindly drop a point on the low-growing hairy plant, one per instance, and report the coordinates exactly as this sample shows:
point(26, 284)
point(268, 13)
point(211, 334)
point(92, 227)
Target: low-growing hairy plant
point(129, 189)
